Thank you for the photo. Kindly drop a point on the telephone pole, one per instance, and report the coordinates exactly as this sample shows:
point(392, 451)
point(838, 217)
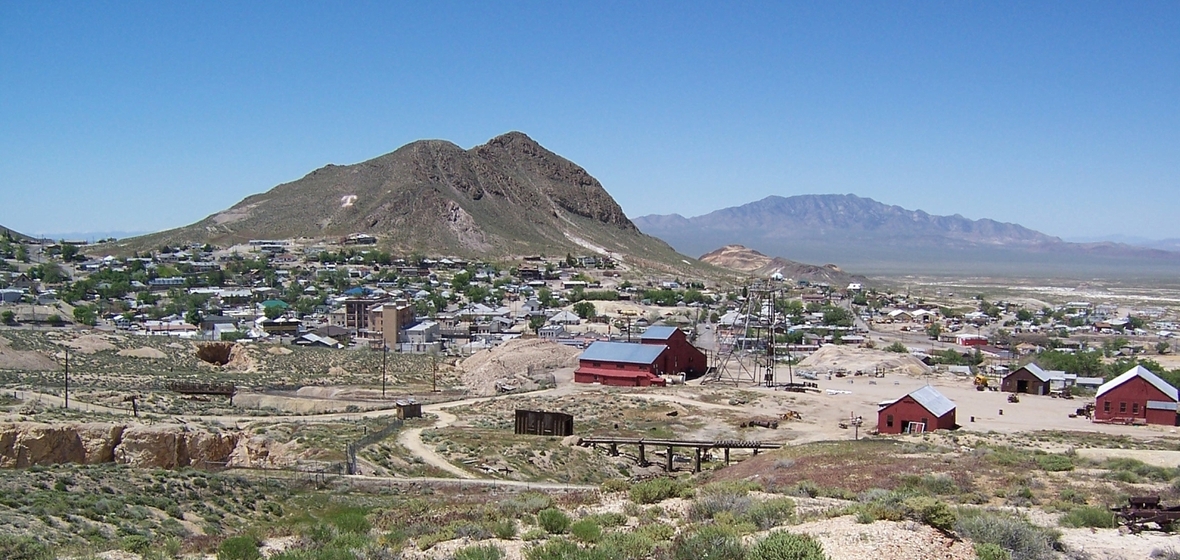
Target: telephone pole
point(384, 355)
point(67, 394)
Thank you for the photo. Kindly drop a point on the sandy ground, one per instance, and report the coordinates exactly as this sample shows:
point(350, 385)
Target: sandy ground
point(1157, 457)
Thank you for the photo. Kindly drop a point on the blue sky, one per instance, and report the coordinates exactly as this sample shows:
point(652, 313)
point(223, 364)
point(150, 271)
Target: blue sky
point(1063, 117)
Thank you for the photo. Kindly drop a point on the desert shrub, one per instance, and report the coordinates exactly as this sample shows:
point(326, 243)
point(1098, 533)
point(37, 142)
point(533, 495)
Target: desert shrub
point(1169, 553)
point(427, 541)
point(534, 534)
point(770, 513)
point(351, 521)
point(503, 528)
point(615, 485)
point(473, 531)
point(655, 490)
point(1072, 496)
point(657, 532)
point(553, 521)
point(555, 549)
point(989, 551)
point(586, 530)
point(530, 502)
point(708, 542)
point(138, 544)
point(1023, 540)
point(931, 512)
point(782, 545)
point(897, 347)
point(23, 548)
point(1090, 516)
point(242, 547)
point(710, 503)
point(608, 519)
point(803, 489)
point(938, 485)
point(627, 546)
point(1131, 470)
point(1054, 463)
point(480, 552)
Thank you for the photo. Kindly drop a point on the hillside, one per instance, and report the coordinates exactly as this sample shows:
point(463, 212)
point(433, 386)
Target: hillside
point(510, 196)
point(15, 235)
point(879, 238)
point(743, 259)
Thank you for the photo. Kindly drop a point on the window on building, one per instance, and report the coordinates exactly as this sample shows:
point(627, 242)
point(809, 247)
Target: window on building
point(925, 421)
point(1134, 408)
point(1105, 406)
point(889, 420)
point(620, 366)
point(1122, 407)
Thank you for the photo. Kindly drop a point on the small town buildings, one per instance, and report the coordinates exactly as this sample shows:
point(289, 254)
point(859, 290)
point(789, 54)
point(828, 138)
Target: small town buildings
point(920, 411)
point(1137, 396)
point(682, 356)
point(621, 364)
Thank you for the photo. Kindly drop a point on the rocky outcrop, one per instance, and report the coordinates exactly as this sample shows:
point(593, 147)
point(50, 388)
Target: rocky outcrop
point(23, 444)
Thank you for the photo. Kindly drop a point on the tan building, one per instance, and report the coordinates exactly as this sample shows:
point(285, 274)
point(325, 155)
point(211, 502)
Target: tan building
point(386, 320)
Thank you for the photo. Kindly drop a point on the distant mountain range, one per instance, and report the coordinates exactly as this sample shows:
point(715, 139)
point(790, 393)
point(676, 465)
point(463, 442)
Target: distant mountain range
point(739, 258)
point(508, 197)
point(872, 237)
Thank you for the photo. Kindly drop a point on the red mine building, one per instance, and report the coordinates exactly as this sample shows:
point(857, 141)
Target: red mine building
point(1137, 396)
point(682, 356)
point(923, 410)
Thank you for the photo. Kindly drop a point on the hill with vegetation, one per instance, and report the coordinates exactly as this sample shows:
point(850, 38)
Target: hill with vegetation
point(744, 259)
point(507, 197)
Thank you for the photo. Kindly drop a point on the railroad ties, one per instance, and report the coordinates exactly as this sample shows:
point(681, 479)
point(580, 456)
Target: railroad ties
point(697, 446)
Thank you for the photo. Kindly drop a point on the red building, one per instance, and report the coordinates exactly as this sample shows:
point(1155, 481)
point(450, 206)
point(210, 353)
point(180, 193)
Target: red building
point(681, 357)
point(1137, 396)
point(622, 364)
point(920, 411)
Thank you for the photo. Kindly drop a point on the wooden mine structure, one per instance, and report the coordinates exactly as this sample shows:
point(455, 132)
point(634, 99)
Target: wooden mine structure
point(541, 423)
point(698, 447)
point(192, 388)
point(1144, 510)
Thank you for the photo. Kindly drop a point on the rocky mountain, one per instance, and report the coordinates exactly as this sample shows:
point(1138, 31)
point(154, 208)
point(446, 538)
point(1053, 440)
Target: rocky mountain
point(879, 238)
point(743, 259)
point(5, 233)
point(510, 196)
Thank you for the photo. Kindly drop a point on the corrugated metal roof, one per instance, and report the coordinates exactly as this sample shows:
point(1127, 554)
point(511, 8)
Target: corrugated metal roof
point(658, 333)
point(623, 352)
point(934, 401)
point(1140, 371)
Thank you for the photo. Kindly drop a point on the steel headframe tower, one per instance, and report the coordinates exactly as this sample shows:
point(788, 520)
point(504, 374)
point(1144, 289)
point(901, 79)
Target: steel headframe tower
point(747, 354)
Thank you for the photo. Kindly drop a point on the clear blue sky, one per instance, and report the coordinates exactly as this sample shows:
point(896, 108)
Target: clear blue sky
point(1063, 117)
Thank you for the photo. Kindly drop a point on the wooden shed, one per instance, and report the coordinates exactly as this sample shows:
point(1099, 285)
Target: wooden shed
point(540, 423)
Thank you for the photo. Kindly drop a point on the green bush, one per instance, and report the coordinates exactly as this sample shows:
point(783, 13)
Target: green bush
point(138, 544)
point(989, 551)
point(534, 534)
point(242, 547)
point(937, 485)
point(708, 504)
point(770, 513)
point(608, 519)
point(932, 512)
point(657, 532)
point(586, 530)
point(553, 521)
point(1090, 516)
point(13, 547)
point(708, 542)
point(555, 549)
point(480, 552)
point(782, 545)
point(503, 529)
point(615, 485)
point(655, 490)
point(1054, 463)
point(627, 546)
point(530, 503)
point(1016, 535)
point(351, 521)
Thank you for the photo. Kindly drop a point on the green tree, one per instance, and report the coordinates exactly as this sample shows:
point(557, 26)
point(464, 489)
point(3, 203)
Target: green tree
point(273, 312)
point(86, 315)
point(585, 309)
point(68, 252)
point(934, 331)
point(837, 316)
point(1162, 347)
point(536, 322)
point(8, 317)
point(22, 254)
point(193, 317)
point(897, 347)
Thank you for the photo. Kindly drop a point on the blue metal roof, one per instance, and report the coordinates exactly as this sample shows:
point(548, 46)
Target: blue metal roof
point(658, 333)
point(623, 352)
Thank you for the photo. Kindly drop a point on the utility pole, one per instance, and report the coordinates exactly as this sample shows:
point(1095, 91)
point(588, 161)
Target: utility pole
point(433, 373)
point(384, 355)
point(67, 394)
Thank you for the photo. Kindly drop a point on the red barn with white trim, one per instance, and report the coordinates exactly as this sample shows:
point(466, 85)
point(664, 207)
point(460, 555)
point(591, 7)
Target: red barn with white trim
point(682, 356)
point(1137, 396)
point(622, 364)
